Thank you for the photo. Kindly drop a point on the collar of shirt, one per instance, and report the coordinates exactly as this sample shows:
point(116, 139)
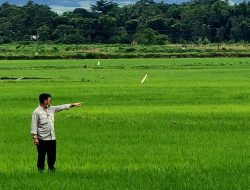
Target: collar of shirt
point(42, 108)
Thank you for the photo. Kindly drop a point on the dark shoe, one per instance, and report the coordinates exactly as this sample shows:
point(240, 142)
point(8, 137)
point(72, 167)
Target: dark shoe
point(53, 170)
point(40, 170)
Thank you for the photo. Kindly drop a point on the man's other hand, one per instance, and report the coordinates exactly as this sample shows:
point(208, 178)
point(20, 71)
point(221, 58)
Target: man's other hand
point(36, 141)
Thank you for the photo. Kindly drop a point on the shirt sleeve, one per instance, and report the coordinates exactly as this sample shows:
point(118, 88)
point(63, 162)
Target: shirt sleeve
point(34, 122)
point(60, 107)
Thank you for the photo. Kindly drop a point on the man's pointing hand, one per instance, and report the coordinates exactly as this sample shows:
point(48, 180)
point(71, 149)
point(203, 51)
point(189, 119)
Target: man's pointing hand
point(78, 104)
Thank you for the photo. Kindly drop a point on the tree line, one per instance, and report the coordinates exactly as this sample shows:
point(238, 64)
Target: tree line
point(145, 22)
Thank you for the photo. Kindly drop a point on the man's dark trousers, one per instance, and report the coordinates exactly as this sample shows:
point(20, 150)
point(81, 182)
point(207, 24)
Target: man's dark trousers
point(46, 147)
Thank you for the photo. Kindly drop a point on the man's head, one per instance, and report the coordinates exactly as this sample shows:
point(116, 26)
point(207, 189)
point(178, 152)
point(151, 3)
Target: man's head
point(45, 99)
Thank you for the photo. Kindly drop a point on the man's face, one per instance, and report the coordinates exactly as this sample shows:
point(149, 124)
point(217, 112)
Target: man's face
point(48, 101)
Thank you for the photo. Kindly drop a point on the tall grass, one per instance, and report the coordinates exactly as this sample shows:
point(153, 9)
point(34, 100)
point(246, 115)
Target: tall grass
point(187, 128)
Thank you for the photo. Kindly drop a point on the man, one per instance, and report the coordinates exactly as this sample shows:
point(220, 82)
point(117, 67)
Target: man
point(43, 132)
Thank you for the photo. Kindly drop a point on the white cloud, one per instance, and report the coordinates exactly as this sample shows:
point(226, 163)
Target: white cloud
point(126, 3)
point(61, 9)
point(86, 4)
point(231, 3)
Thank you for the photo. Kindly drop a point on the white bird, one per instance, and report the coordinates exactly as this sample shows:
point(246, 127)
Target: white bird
point(145, 77)
point(20, 78)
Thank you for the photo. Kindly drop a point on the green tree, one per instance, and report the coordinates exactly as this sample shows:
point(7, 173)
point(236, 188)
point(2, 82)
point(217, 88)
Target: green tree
point(104, 7)
point(145, 36)
point(44, 33)
point(121, 36)
point(106, 28)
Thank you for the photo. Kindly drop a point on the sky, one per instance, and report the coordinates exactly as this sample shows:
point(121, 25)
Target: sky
point(61, 6)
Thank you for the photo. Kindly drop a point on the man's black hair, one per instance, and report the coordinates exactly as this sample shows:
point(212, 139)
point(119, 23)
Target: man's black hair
point(44, 96)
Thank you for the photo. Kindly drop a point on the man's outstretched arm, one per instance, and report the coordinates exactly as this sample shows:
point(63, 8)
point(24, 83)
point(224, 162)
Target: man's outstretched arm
point(65, 106)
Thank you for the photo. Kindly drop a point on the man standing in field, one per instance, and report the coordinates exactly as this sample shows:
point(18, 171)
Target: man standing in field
point(42, 130)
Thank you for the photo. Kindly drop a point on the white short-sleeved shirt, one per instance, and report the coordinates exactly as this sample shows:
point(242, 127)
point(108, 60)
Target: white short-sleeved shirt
point(43, 119)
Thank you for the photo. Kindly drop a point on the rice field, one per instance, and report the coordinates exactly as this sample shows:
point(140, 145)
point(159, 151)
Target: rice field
point(186, 127)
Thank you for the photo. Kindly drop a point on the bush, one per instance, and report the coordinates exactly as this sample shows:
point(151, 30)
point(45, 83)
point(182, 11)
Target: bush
point(55, 49)
point(5, 40)
point(67, 49)
point(144, 36)
point(72, 39)
point(25, 43)
point(129, 50)
point(18, 46)
point(161, 39)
